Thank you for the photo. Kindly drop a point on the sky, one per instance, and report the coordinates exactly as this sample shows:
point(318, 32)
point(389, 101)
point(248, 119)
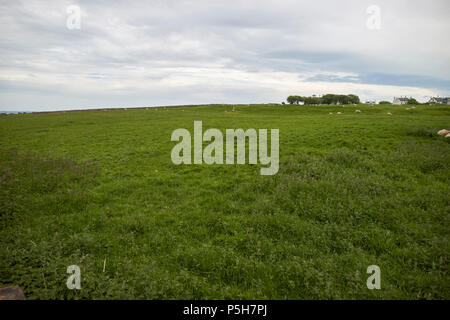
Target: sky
point(166, 52)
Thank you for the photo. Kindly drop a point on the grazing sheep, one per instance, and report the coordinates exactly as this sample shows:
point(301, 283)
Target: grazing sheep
point(448, 135)
point(339, 113)
point(358, 111)
point(443, 132)
point(389, 113)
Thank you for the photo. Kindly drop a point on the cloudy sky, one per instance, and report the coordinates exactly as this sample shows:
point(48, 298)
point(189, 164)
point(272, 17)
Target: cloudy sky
point(167, 52)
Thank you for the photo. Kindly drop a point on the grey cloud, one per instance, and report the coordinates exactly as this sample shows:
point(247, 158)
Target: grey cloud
point(231, 49)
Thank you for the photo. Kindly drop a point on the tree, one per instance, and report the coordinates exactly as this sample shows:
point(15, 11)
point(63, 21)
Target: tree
point(412, 101)
point(354, 99)
point(384, 102)
point(325, 99)
point(291, 99)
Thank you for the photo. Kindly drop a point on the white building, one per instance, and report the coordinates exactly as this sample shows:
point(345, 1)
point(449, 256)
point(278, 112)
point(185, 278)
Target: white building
point(401, 100)
point(439, 100)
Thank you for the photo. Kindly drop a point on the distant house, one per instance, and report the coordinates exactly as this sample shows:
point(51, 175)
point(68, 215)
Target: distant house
point(439, 100)
point(371, 102)
point(401, 100)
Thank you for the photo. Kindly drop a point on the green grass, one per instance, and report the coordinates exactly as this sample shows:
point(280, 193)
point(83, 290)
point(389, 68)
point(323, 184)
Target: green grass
point(352, 190)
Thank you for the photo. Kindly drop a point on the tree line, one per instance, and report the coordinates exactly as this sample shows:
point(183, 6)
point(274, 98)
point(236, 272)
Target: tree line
point(325, 99)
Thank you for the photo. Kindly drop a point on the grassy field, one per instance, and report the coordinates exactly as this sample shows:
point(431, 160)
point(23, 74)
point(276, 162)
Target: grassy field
point(98, 189)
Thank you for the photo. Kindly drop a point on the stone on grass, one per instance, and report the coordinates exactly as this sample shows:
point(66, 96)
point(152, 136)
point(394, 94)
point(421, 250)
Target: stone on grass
point(11, 293)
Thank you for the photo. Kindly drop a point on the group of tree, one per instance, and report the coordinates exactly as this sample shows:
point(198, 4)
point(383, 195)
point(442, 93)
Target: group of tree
point(325, 99)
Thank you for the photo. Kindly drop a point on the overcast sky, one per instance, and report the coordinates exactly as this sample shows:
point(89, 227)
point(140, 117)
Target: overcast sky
point(166, 52)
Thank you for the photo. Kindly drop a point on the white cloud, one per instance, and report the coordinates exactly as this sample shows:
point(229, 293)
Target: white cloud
point(172, 52)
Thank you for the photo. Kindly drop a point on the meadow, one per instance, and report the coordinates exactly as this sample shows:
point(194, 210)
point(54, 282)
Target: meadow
point(98, 189)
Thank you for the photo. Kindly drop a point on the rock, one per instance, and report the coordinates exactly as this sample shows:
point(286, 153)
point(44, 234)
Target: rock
point(443, 132)
point(11, 293)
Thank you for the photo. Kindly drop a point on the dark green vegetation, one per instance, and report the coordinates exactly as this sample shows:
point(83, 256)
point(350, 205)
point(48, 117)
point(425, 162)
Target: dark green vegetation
point(353, 190)
point(413, 101)
point(325, 99)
